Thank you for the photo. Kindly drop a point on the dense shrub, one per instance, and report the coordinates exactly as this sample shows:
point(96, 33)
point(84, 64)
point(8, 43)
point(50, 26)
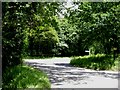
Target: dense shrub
point(25, 77)
point(97, 62)
point(117, 64)
point(12, 36)
point(42, 39)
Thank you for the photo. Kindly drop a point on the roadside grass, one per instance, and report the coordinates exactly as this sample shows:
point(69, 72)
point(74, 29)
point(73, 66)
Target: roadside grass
point(25, 77)
point(96, 62)
point(116, 67)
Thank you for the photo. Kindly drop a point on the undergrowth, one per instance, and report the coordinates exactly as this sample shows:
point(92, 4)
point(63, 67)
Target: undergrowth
point(96, 62)
point(25, 77)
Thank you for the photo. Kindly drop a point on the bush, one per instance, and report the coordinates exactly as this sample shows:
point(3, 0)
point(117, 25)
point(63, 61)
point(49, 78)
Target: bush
point(117, 64)
point(25, 77)
point(97, 62)
point(12, 35)
point(42, 40)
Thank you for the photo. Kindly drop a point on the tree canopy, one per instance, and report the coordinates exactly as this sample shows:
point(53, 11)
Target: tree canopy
point(38, 29)
point(97, 23)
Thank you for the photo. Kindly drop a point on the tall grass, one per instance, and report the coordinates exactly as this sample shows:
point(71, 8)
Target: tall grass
point(116, 67)
point(97, 62)
point(25, 77)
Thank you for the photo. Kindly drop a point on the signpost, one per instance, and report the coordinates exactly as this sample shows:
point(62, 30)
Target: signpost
point(87, 51)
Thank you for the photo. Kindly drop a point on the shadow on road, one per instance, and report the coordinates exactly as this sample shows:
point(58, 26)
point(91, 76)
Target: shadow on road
point(63, 64)
point(62, 72)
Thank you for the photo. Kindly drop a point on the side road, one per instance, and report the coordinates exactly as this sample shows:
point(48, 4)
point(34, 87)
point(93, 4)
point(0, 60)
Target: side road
point(63, 75)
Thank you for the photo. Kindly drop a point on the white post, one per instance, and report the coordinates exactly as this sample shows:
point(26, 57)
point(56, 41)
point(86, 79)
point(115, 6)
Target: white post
point(87, 51)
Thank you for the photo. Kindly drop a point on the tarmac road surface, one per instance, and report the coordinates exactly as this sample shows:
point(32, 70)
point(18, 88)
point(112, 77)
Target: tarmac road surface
point(63, 75)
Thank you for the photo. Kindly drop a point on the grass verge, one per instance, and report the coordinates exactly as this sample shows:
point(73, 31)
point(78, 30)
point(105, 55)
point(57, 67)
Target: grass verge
point(25, 77)
point(116, 67)
point(96, 62)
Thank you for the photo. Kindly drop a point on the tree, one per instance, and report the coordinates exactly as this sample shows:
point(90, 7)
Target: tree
point(18, 20)
point(12, 31)
point(44, 39)
point(69, 38)
point(97, 22)
point(43, 17)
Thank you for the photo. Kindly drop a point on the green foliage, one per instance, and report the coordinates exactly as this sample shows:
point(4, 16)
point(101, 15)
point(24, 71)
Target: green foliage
point(25, 43)
point(97, 22)
point(48, 34)
point(97, 62)
point(116, 67)
point(96, 47)
point(25, 77)
point(12, 33)
point(35, 29)
point(43, 39)
point(19, 19)
point(68, 37)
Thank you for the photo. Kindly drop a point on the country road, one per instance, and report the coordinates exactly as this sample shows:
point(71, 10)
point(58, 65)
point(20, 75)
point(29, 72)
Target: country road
point(63, 75)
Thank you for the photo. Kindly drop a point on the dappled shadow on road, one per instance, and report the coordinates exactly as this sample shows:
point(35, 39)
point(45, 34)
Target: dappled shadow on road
point(63, 72)
point(63, 64)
